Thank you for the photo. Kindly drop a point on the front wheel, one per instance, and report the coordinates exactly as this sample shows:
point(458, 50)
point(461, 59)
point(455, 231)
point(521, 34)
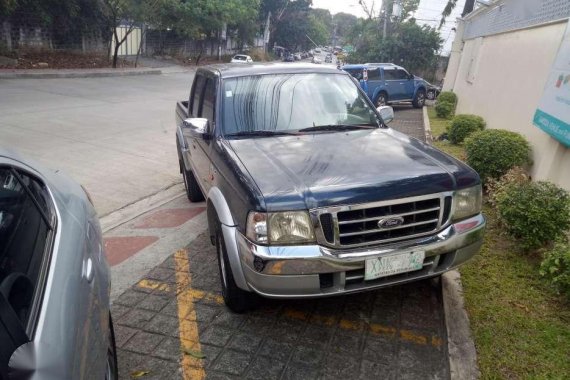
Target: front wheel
point(420, 99)
point(112, 370)
point(381, 100)
point(236, 299)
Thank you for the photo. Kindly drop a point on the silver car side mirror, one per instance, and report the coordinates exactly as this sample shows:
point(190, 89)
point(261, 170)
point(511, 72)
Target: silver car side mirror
point(198, 127)
point(386, 113)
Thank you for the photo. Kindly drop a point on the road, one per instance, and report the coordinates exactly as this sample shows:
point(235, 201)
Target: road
point(113, 135)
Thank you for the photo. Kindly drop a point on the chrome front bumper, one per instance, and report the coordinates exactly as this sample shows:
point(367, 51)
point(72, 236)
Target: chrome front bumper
point(316, 271)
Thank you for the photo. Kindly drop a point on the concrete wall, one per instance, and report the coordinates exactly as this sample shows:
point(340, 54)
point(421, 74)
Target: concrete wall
point(501, 78)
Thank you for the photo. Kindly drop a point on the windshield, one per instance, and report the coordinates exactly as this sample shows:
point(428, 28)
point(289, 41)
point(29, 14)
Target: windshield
point(288, 102)
point(240, 57)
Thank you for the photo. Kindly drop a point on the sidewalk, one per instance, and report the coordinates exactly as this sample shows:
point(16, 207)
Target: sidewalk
point(76, 73)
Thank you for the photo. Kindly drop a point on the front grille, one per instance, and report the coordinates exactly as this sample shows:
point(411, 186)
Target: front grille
point(359, 225)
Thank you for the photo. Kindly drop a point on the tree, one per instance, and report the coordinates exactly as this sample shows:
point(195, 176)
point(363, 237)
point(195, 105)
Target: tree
point(409, 45)
point(344, 22)
point(450, 6)
point(128, 13)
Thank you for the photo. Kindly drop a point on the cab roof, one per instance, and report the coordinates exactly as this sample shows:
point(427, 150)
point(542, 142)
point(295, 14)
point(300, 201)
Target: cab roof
point(371, 65)
point(237, 70)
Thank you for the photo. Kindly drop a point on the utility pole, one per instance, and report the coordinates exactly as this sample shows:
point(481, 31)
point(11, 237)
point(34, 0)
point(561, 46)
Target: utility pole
point(385, 16)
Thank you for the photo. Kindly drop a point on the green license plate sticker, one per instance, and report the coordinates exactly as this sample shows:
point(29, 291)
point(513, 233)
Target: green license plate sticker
point(393, 264)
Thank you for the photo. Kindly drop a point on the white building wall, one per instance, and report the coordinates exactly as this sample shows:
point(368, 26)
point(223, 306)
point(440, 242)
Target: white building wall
point(501, 78)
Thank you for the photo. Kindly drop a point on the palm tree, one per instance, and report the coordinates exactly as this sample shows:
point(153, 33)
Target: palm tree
point(467, 8)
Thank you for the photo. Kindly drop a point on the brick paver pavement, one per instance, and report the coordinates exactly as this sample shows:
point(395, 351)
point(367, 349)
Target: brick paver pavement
point(409, 120)
point(394, 333)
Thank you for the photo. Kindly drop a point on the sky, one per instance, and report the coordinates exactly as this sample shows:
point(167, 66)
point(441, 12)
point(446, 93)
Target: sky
point(429, 12)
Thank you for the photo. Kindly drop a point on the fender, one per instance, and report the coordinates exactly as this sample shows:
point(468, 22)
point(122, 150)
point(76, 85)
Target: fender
point(377, 91)
point(419, 87)
point(182, 147)
point(217, 200)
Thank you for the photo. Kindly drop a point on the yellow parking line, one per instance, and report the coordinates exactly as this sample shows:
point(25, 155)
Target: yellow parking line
point(189, 339)
point(317, 319)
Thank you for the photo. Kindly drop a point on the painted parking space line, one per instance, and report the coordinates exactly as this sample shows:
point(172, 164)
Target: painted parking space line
point(188, 327)
point(191, 295)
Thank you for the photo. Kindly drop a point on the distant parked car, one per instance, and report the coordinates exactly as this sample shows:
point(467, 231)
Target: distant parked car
point(288, 58)
point(386, 83)
point(316, 60)
point(54, 278)
point(297, 56)
point(240, 58)
point(328, 58)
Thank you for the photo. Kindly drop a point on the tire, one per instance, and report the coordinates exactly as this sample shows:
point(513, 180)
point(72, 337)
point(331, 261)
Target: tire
point(237, 300)
point(381, 100)
point(420, 99)
point(112, 369)
point(430, 95)
point(193, 190)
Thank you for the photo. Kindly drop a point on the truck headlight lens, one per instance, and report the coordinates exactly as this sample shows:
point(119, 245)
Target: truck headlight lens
point(467, 202)
point(287, 227)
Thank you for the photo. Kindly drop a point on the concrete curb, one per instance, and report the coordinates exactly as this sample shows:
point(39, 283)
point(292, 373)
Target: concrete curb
point(460, 345)
point(427, 126)
point(131, 211)
point(53, 74)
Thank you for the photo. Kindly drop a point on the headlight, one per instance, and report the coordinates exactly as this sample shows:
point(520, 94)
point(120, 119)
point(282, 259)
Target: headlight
point(287, 227)
point(467, 202)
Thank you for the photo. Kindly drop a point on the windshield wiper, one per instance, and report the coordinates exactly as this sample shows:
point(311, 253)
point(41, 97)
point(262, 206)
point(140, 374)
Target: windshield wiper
point(260, 133)
point(338, 127)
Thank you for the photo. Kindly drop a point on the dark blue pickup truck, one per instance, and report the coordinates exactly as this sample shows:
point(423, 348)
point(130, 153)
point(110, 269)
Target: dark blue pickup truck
point(310, 194)
point(386, 83)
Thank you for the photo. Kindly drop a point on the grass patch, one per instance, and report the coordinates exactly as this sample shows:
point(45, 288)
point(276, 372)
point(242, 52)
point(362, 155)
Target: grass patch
point(521, 328)
point(439, 127)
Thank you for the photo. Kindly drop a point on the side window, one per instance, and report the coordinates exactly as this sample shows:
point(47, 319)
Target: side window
point(209, 101)
point(196, 95)
point(390, 74)
point(26, 225)
point(374, 74)
point(401, 74)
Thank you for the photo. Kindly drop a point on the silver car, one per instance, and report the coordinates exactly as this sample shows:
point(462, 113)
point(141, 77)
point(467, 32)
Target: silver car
point(55, 320)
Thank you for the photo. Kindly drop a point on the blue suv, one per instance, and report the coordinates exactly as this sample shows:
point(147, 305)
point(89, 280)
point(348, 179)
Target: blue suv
point(388, 83)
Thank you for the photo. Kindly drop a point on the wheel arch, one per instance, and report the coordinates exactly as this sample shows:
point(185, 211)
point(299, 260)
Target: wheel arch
point(219, 211)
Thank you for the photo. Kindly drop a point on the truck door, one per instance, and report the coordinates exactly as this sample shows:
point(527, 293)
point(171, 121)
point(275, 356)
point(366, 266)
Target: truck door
point(394, 85)
point(407, 82)
point(203, 146)
point(374, 81)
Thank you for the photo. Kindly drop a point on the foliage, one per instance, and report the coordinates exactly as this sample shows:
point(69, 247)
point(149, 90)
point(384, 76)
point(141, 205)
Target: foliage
point(464, 125)
point(496, 187)
point(535, 213)
point(447, 96)
point(493, 152)
point(410, 45)
point(344, 23)
point(555, 268)
point(444, 109)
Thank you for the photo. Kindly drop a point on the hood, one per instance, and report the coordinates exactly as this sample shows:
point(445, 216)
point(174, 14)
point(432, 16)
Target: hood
point(324, 169)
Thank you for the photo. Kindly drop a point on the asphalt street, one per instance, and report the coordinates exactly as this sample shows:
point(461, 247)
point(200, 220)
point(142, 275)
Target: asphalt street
point(116, 136)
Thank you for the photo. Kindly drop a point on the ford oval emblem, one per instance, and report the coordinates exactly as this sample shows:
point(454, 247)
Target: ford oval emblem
point(390, 222)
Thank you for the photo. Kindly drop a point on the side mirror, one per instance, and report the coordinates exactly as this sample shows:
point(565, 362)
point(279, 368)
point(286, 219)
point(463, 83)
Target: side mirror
point(386, 113)
point(198, 127)
point(411, 76)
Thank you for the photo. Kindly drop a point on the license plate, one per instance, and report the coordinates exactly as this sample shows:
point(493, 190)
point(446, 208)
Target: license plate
point(393, 264)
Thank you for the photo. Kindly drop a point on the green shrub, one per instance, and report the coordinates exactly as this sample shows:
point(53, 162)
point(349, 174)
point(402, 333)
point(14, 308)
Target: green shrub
point(555, 268)
point(447, 96)
point(496, 187)
point(444, 109)
point(535, 213)
point(464, 125)
point(493, 152)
